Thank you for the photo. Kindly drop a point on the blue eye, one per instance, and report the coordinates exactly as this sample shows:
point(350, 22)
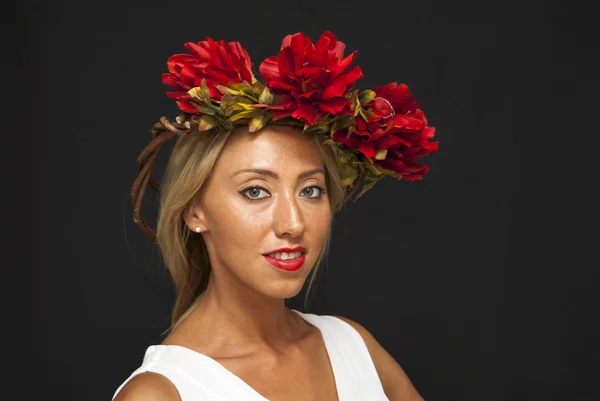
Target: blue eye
point(320, 191)
point(253, 193)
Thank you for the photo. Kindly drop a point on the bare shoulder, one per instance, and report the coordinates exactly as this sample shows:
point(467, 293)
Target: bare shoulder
point(148, 386)
point(396, 384)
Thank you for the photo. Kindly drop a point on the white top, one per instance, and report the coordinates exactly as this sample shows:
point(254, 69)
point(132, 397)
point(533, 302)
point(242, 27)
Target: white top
point(198, 377)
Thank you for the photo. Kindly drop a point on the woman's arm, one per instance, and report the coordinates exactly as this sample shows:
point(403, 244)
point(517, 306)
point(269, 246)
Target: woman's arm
point(396, 384)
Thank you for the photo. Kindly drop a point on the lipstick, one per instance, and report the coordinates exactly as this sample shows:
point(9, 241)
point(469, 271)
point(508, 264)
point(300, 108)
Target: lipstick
point(289, 264)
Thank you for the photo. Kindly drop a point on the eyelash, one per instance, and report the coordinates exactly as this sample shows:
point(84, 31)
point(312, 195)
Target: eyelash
point(321, 192)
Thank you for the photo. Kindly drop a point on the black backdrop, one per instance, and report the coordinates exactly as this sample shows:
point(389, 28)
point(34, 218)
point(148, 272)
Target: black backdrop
point(479, 279)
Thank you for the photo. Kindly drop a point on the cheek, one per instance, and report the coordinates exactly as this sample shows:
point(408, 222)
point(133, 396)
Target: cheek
point(239, 228)
point(318, 222)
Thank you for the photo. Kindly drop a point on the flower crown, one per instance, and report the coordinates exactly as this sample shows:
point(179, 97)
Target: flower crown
point(373, 133)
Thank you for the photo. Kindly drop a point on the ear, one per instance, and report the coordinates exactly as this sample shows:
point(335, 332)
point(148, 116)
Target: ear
point(193, 216)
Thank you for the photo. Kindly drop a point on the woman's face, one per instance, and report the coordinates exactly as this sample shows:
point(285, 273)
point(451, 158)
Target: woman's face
point(266, 192)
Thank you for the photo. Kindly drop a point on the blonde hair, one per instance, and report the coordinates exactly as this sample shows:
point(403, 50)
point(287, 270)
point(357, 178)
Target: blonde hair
point(185, 255)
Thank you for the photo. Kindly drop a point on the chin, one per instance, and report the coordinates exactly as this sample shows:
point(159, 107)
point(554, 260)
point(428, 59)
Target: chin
point(282, 285)
point(283, 290)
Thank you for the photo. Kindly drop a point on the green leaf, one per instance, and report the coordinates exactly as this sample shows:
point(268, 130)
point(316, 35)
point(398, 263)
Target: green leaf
point(362, 114)
point(205, 108)
point(204, 90)
point(243, 89)
point(228, 98)
point(258, 122)
point(320, 128)
point(378, 170)
point(368, 114)
point(244, 114)
point(206, 123)
point(227, 109)
point(200, 93)
point(381, 154)
point(243, 106)
point(355, 103)
point(366, 96)
point(257, 86)
point(348, 175)
point(265, 97)
point(227, 90)
point(347, 182)
point(196, 94)
point(335, 127)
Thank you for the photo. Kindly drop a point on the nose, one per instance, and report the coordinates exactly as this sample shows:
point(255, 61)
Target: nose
point(288, 219)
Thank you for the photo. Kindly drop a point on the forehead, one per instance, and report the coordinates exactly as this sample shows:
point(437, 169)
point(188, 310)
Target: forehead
point(274, 147)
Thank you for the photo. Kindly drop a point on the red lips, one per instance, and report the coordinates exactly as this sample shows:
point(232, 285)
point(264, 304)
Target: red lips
point(287, 265)
point(296, 249)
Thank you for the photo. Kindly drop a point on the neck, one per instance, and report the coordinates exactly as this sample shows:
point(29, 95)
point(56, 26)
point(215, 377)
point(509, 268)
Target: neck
point(237, 314)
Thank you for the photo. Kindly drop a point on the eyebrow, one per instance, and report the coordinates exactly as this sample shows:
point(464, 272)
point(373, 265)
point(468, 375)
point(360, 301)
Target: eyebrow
point(275, 175)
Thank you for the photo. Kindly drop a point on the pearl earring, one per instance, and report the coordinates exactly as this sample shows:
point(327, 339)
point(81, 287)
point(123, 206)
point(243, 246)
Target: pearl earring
point(197, 229)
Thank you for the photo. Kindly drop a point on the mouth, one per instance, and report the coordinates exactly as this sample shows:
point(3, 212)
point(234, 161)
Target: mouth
point(288, 261)
point(286, 255)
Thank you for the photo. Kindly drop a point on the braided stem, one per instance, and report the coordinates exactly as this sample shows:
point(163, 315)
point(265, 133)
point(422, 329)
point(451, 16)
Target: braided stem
point(161, 131)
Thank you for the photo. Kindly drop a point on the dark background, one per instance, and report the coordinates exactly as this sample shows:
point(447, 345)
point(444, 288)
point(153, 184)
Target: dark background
point(479, 280)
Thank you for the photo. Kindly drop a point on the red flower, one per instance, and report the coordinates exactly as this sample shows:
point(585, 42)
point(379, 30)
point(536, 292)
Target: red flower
point(310, 78)
point(395, 133)
point(219, 63)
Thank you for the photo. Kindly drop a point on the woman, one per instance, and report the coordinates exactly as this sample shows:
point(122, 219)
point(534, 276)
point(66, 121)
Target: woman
point(245, 217)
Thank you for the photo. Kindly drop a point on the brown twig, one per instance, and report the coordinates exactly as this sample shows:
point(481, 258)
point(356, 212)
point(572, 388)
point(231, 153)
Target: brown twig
point(161, 132)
